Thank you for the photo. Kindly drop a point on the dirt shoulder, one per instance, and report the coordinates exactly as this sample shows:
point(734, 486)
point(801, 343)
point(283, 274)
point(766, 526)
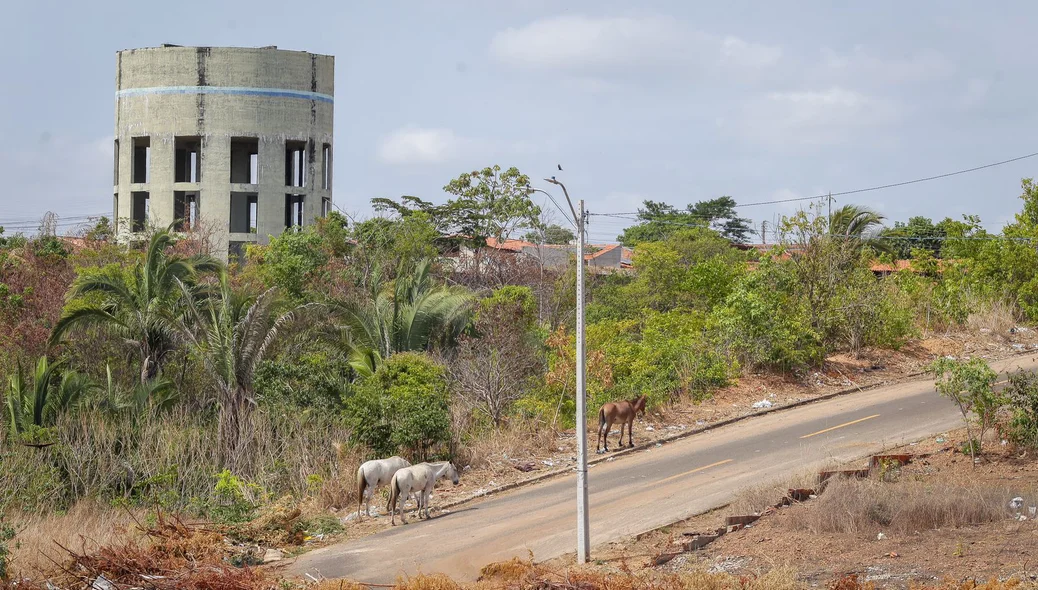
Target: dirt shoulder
point(937, 518)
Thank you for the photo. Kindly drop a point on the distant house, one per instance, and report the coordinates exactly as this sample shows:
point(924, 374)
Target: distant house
point(602, 258)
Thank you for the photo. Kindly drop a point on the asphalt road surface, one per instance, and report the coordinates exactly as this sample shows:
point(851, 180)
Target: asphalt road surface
point(647, 489)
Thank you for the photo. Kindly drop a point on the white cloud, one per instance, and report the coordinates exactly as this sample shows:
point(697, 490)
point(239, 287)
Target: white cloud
point(860, 62)
point(420, 146)
point(814, 117)
point(594, 45)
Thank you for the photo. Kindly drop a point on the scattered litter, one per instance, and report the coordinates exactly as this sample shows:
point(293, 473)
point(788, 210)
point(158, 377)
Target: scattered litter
point(700, 422)
point(649, 429)
point(272, 555)
point(1021, 517)
point(941, 439)
point(668, 428)
point(1018, 347)
point(880, 537)
point(548, 462)
point(1016, 503)
point(525, 467)
point(610, 459)
point(893, 555)
point(1021, 329)
point(950, 357)
point(764, 403)
point(658, 445)
point(102, 583)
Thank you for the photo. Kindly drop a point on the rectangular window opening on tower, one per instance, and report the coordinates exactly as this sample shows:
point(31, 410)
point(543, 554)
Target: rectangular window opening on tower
point(295, 163)
point(245, 160)
point(141, 160)
point(243, 213)
point(139, 211)
point(185, 211)
point(326, 167)
point(115, 215)
point(187, 159)
point(294, 211)
point(115, 174)
point(326, 206)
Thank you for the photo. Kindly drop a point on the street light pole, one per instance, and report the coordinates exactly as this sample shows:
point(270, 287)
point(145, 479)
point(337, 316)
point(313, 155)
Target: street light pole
point(583, 518)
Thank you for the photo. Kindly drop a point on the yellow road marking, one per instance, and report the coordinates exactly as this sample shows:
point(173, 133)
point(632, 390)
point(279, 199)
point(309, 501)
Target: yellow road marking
point(696, 470)
point(840, 426)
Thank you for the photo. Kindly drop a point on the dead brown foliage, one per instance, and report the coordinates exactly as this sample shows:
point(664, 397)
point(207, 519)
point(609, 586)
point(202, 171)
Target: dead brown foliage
point(904, 507)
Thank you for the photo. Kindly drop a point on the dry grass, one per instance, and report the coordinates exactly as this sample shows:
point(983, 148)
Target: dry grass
point(756, 499)
point(497, 449)
point(521, 575)
point(904, 507)
point(88, 526)
point(996, 316)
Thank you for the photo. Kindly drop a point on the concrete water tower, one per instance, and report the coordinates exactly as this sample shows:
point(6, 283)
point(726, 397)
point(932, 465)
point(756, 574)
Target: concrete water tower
point(236, 141)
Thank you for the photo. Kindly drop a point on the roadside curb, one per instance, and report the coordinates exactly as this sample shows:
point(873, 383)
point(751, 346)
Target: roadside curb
point(908, 378)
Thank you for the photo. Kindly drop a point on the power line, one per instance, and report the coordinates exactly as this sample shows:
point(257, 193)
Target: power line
point(872, 188)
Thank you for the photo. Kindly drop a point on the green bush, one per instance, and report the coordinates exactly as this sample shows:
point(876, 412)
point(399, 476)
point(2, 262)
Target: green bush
point(1022, 398)
point(403, 407)
point(6, 534)
point(764, 325)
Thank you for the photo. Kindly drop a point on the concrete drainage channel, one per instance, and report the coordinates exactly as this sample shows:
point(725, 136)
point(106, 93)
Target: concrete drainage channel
point(793, 496)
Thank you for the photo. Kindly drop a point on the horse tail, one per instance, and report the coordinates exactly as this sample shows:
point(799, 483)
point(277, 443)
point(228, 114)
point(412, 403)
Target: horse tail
point(394, 493)
point(601, 417)
point(362, 484)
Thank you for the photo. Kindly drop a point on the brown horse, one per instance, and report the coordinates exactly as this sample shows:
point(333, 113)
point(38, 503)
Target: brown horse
point(622, 412)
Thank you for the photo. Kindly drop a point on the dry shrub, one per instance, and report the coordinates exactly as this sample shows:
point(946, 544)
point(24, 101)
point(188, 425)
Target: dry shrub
point(518, 574)
point(995, 315)
point(172, 460)
point(495, 449)
point(427, 582)
point(85, 528)
point(337, 585)
point(756, 499)
point(904, 507)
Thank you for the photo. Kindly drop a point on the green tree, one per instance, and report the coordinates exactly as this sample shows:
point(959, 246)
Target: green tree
point(657, 221)
point(291, 261)
point(403, 406)
point(858, 224)
point(918, 233)
point(140, 307)
point(490, 203)
point(412, 314)
point(970, 384)
point(550, 234)
point(232, 334)
point(35, 405)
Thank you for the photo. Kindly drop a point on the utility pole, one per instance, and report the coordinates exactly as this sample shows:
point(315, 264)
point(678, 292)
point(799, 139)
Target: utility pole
point(830, 228)
point(583, 518)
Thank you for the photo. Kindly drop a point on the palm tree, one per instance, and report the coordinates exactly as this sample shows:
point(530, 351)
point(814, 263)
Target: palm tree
point(411, 315)
point(858, 223)
point(140, 309)
point(232, 334)
point(37, 404)
point(158, 394)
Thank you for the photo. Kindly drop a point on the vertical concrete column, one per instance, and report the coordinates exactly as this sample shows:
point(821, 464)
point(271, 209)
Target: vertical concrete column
point(272, 189)
point(215, 198)
point(160, 185)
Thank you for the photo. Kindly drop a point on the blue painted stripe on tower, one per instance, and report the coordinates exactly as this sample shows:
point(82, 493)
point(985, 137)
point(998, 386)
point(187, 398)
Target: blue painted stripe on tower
point(230, 90)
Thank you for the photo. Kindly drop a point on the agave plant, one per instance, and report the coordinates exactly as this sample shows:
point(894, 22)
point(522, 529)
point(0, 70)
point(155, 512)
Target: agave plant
point(142, 309)
point(412, 314)
point(36, 404)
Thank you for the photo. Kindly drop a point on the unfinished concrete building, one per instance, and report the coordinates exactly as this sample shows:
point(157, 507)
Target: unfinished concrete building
point(235, 142)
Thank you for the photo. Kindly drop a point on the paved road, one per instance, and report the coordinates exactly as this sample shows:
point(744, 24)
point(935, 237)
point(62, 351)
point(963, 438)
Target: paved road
point(648, 489)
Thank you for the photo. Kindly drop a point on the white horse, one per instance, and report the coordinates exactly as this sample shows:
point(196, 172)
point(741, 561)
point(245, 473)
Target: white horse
point(373, 475)
point(421, 479)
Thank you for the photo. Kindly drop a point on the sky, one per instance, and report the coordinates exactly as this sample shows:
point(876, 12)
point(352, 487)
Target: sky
point(665, 99)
